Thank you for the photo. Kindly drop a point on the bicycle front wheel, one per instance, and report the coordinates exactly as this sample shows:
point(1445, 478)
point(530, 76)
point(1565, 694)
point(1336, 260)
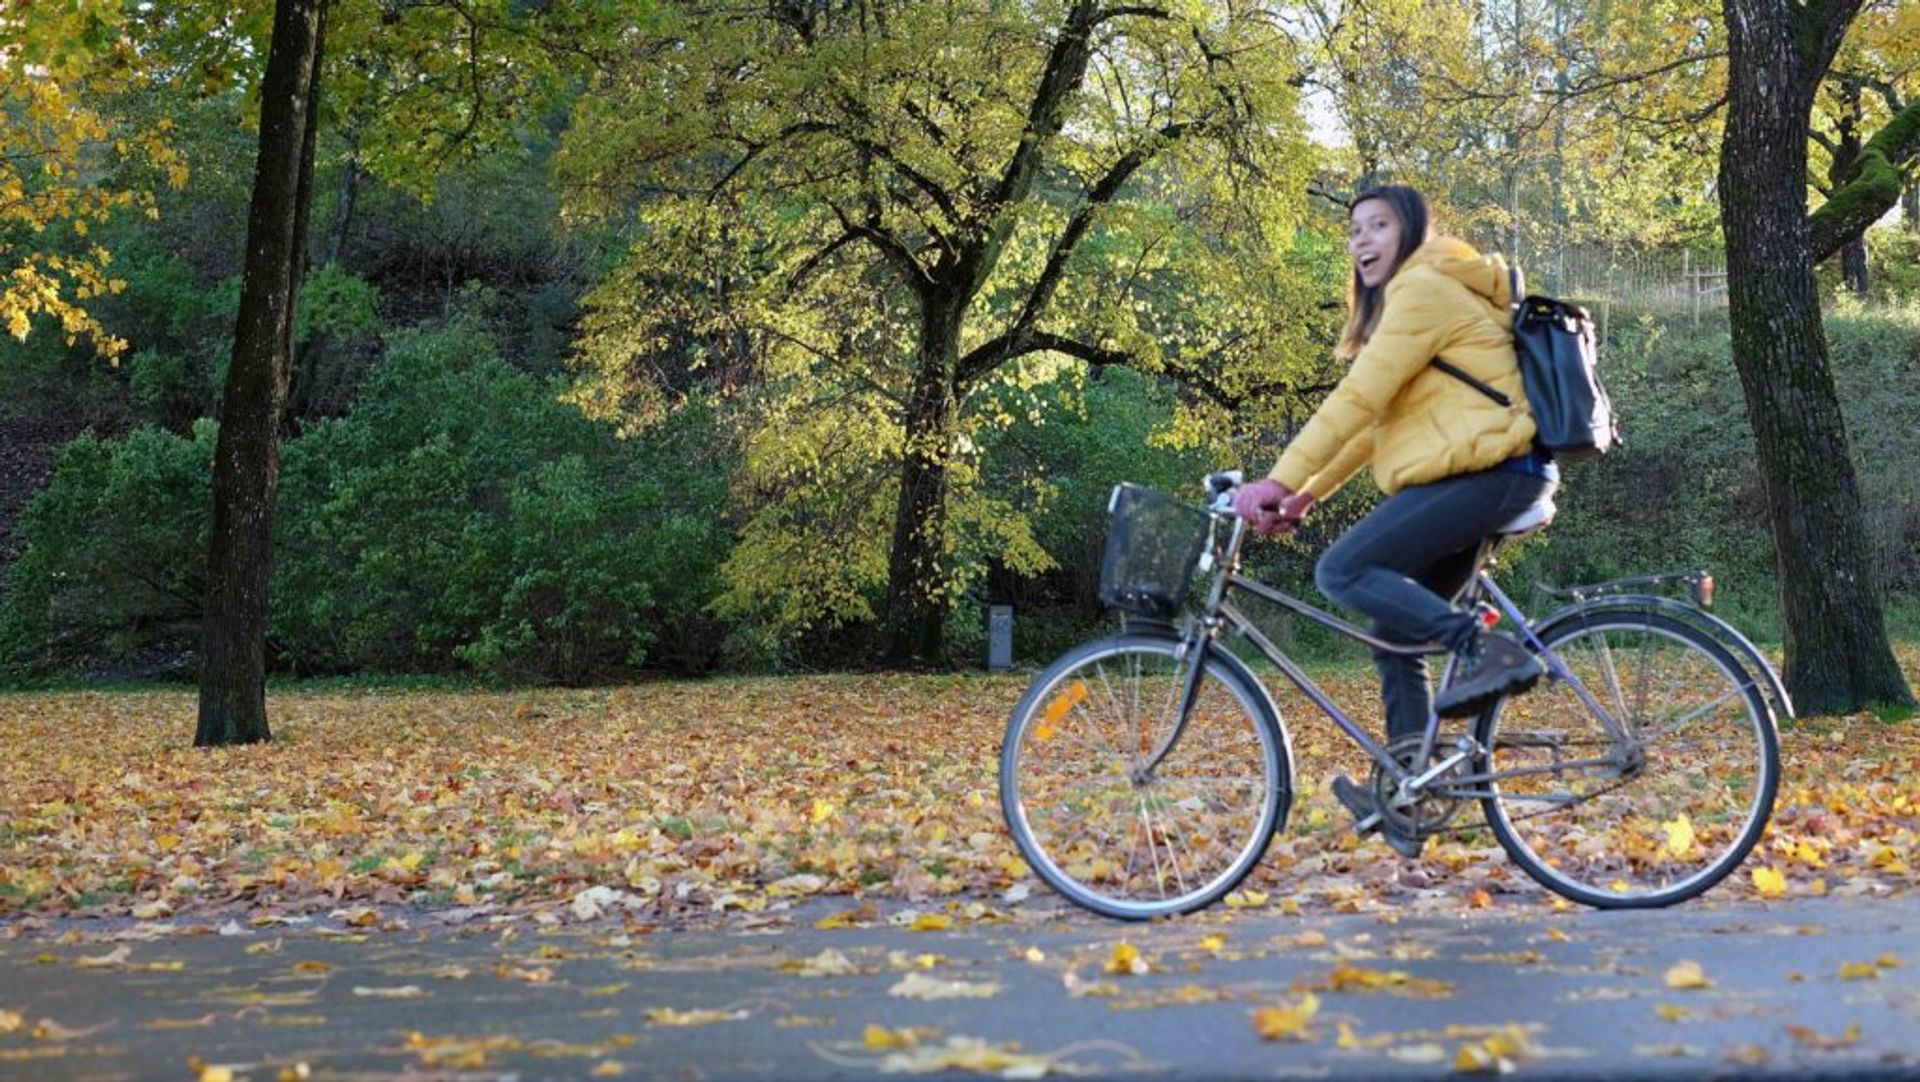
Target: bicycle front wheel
point(1109, 825)
point(1640, 772)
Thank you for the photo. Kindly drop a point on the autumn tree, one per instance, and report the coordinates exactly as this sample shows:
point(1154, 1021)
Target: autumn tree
point(1838, 657)
point(66, 166)
point(874, 217)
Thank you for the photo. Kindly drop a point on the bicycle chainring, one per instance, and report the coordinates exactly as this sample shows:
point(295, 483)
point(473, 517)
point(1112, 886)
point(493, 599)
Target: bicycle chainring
point(1431, 812)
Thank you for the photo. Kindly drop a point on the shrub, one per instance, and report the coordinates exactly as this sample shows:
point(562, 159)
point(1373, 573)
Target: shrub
point(462, 515)
point(458, 517)
point(115, 560)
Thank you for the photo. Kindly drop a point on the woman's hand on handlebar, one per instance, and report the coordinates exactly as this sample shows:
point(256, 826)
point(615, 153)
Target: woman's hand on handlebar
point(1271, 507)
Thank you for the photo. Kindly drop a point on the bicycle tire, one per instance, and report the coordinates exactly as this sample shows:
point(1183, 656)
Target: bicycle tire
point(1171, 842)
point(1632, 830)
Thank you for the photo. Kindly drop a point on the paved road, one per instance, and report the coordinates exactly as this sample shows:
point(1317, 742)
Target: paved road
point(1825, 987)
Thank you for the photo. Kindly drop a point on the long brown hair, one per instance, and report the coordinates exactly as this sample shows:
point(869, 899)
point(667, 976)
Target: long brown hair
point(1364, 301)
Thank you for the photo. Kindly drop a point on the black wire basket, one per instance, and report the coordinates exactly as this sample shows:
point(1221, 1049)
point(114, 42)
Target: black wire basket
point(1155, 544)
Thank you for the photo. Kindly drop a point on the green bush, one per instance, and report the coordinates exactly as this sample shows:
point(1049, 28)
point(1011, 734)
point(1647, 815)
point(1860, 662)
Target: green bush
point(460, 517)
point(115, 556)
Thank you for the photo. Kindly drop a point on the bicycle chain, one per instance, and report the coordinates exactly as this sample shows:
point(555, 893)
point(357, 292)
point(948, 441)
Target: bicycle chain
point(1620, 784)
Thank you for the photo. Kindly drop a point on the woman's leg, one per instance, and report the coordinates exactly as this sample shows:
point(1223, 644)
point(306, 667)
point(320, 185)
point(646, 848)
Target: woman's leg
point(1401, 563)
point(1405, 687)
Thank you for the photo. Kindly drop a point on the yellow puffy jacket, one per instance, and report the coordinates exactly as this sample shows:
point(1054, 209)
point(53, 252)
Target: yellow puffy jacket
point(1393, 410)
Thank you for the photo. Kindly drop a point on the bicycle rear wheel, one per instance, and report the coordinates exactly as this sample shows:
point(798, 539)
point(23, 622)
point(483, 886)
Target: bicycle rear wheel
point(1114, 834)
point(1654, 808)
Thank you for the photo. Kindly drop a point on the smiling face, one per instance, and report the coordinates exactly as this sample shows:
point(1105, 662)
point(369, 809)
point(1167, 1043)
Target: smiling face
point(1373, 241)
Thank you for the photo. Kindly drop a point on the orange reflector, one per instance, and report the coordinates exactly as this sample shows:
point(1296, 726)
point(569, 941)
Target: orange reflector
point(1703, 591)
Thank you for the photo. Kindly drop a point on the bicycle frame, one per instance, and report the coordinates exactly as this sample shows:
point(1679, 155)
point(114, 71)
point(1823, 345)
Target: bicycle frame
point(1220, 614)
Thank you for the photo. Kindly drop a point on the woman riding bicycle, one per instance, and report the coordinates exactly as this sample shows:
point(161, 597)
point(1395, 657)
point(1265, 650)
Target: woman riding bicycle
point(1455, 465)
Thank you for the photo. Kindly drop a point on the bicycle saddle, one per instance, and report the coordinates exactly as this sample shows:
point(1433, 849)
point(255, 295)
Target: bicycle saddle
point(1533, 518)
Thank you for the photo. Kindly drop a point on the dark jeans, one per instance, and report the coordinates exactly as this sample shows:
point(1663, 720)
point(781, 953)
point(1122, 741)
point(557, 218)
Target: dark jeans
point(1401, 564)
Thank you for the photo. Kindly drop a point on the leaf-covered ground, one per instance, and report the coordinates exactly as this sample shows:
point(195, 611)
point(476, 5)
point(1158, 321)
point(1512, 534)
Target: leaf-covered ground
point(679, 801)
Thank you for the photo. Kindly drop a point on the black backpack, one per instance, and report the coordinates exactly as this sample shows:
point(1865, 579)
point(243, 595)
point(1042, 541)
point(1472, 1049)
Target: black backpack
point(1554, 342)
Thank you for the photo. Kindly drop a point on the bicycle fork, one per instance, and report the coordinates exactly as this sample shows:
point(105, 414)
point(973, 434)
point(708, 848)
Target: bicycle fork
point(1192, 653)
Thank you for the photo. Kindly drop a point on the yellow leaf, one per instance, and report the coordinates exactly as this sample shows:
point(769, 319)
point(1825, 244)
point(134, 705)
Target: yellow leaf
point(1679, 836)
point(1125, 961)
point(1475, 1059)
point(882, 1039)
point(1287, 1023)
point(1672, 1012)
point(1859, 971)
point(608, 1068)
point(1214, 943)
point(1687, 975)
point(1243, 899)
point(931, 922)
point(1770, 882)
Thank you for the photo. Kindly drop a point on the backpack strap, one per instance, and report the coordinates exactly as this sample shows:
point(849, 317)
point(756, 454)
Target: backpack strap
point(1472, 381)
point(1515, 286)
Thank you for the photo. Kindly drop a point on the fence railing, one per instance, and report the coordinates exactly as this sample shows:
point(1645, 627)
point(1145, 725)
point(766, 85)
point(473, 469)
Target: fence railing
point(1613, 283)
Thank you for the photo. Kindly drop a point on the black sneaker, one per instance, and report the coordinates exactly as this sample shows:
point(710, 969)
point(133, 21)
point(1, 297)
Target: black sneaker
point(1493, 667)
point(1367, 818)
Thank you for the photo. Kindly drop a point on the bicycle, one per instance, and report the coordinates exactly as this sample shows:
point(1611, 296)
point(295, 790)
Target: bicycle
point(1144, 774)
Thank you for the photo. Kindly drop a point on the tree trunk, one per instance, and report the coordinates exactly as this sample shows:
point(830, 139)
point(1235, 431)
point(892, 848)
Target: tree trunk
point(246, 468)
point(916, 605)
point(1910, 207)
point(1853, 267)
point(1838, 657)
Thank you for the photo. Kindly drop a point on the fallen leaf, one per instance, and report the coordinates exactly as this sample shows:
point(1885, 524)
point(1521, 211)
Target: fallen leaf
point(1680, 836)
point(1769, 882)
point(1687, 975)
point(1813, 1038)
point(828, 963)
point(920, 986)
point(405, 991)
point(881, 1039)
point(1125, 961)
point(668, 1016)
point(1287, 1023)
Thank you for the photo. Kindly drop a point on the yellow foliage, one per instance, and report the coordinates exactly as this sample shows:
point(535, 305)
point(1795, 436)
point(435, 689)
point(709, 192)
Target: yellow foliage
point(56, 154)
